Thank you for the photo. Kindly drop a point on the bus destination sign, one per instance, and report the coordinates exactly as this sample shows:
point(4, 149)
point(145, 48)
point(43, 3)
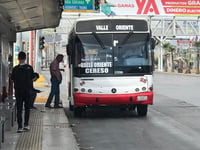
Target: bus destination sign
point(111, 26)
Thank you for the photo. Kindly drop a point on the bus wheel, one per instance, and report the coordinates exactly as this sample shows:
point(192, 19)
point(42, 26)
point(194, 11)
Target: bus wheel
point(71, 107)
point(78, 111)
point(142, 109)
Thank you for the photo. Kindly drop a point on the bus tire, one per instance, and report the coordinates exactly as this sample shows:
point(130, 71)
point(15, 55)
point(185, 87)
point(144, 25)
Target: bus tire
point(78, 111)
point(71, 107)
point(142, 110)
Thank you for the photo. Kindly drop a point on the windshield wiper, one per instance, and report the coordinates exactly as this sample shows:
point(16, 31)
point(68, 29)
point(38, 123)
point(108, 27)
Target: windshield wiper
point(126, 38)
point(98, 40)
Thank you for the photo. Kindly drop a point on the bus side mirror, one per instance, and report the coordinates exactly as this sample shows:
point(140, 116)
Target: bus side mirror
point(153, 43)
point(68, 50)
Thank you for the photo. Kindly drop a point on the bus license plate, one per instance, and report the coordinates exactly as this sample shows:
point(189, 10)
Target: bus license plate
point(142, 98)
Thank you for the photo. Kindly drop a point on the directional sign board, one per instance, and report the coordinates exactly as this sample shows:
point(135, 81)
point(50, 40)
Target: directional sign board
point(78, 6)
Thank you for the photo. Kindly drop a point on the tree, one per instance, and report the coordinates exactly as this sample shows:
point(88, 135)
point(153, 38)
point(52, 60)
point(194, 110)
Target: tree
point(197, 45)
point(166, 48)
point(171, 51)
point(187, 61)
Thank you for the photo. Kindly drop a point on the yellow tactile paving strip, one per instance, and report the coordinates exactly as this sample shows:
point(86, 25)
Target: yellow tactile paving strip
point(40, 84)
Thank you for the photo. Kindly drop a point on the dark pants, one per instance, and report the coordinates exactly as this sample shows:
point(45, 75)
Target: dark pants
point(33, 96)
point(55, 91)
point(23, 98)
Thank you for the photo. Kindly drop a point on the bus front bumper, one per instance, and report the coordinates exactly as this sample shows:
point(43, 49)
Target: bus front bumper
point(81, 99)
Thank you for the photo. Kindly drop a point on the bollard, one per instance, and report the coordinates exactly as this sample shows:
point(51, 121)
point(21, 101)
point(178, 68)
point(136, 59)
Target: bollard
point(2, 129)
point(9, 111)
point(2, 121)
point(8, 116)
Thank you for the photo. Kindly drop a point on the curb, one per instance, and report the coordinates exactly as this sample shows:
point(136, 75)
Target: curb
point(175, 73)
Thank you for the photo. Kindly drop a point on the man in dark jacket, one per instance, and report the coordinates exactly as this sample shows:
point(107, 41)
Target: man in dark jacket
point(22, 75)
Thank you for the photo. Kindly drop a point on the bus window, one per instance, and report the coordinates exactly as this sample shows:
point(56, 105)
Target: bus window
point(94, 54)
point(133, 53)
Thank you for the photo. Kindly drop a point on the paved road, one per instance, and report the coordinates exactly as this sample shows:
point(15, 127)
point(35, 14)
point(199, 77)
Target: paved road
point(172, 122)
point(181, 87)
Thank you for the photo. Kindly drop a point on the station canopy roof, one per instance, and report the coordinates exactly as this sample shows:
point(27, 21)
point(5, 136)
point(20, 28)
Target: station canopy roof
point(26, 15)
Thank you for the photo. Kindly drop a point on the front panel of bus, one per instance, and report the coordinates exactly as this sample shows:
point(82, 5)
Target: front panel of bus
point(112, 68)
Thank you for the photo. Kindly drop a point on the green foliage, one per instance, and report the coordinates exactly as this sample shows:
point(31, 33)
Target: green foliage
point(197, 44)
point(168, 47)
point(156, 61)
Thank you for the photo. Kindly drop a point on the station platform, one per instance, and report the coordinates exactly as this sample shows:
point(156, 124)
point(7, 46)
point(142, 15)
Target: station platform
point(50, 129)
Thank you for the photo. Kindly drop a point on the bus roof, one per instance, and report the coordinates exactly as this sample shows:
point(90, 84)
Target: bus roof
point(111, 24)
point(112, 17)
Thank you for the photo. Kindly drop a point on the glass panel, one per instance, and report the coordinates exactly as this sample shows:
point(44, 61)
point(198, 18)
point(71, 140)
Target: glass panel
point(94, 54)
point(132, 55)
point(112, 54)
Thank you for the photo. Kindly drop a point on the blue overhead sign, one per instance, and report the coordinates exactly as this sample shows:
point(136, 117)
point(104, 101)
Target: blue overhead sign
point(78, 6)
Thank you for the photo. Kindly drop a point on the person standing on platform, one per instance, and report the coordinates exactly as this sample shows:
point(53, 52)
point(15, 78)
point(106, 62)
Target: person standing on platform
point(56, 79)
point(22, 76)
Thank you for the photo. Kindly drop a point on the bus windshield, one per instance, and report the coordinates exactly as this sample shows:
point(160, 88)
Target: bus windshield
point(112, 54)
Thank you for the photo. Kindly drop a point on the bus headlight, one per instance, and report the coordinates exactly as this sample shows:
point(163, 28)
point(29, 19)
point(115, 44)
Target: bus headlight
point(144, 89)
point(89, 90)
point(82, 90)
point(142, 98)
point(137, 90)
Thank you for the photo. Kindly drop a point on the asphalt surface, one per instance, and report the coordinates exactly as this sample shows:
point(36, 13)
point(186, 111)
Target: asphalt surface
point(172, 122)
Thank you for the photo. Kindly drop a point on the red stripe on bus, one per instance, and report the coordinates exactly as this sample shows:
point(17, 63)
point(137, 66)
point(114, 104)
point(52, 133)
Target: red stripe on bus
point(81, 99)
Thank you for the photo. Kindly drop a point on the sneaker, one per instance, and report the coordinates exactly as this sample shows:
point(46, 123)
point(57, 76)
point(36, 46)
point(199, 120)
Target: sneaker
point(26, 128)
point(20, 130)
point(48, 106)
point(58, 107)
point(33, 108)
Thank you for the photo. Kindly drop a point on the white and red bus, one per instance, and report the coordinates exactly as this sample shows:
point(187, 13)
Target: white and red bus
point(110, 62)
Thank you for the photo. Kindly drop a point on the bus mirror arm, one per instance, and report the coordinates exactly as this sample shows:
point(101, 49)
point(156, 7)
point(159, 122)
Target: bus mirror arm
point(68, 50)
point(153, 43)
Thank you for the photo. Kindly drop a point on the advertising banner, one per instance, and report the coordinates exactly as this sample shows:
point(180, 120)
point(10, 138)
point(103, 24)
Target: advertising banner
point(137, 7)
point(154, 7)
